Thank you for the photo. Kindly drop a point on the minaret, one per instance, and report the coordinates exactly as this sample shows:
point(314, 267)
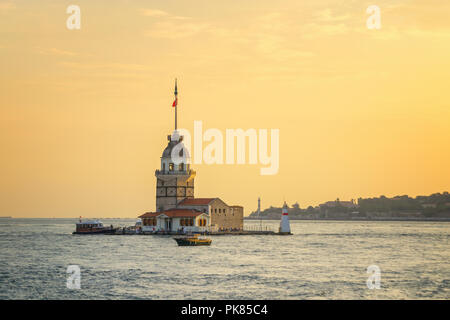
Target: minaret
point(259, 213)
point(285, 227)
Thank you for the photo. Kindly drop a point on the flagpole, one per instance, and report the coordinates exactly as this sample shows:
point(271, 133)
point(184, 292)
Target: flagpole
point(176, 103)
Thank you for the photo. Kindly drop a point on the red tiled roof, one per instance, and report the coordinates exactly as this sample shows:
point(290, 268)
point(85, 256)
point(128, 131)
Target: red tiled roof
point(196, 201)
point(173, 213)
point(149, 214)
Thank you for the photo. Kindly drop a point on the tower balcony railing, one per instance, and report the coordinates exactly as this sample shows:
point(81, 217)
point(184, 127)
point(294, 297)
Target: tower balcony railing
point(174, 172)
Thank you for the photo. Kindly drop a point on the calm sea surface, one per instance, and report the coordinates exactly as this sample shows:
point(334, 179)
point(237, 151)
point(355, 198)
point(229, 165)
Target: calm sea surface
point(322, 260)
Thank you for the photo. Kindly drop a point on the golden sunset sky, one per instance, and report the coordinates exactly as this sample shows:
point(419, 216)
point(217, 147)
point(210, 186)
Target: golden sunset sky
point(85, 114)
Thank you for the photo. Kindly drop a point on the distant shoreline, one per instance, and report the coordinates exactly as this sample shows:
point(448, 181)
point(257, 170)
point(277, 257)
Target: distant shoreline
point(273, 219)
point(357, 219)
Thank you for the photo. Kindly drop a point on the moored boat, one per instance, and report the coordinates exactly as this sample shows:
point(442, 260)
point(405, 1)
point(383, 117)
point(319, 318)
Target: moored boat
point(93, 227)
point(192, 240)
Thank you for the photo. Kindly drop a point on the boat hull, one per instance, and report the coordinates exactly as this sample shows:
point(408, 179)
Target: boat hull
point(193, 242)
point(103, 231)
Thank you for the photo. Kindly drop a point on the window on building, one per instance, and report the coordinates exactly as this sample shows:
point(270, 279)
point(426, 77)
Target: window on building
point(181, 166)
point(170, 166)
point(163, 167)
point(202, 222)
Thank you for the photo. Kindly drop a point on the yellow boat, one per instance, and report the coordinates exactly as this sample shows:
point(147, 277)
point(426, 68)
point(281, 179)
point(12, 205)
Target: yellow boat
point(192, 240)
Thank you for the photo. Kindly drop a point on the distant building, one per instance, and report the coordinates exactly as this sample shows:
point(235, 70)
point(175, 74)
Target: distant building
point(176, 207)
point(337, 203)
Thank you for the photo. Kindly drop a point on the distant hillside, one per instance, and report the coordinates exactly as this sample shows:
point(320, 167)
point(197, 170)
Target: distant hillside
point(435, 206)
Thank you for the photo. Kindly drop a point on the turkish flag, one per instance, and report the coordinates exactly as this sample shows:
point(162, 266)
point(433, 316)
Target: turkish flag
point(174, 104)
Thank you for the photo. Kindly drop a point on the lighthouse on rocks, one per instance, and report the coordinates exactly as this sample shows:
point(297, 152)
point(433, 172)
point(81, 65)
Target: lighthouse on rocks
point(285, 228)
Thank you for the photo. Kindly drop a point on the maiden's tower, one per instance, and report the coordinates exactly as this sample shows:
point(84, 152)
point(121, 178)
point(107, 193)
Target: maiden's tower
point(177, 209)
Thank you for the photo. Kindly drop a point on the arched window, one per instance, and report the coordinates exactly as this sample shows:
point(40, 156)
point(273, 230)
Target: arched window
point(170, 166)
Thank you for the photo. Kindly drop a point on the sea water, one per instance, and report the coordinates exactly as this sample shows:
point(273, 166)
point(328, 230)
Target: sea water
point(322, 260)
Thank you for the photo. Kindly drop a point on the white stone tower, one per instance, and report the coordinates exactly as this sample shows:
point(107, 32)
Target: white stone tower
point(285, 227)
point(175, 179)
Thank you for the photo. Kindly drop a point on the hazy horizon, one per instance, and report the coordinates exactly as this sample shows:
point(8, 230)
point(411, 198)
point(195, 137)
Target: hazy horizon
point(290, 205)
